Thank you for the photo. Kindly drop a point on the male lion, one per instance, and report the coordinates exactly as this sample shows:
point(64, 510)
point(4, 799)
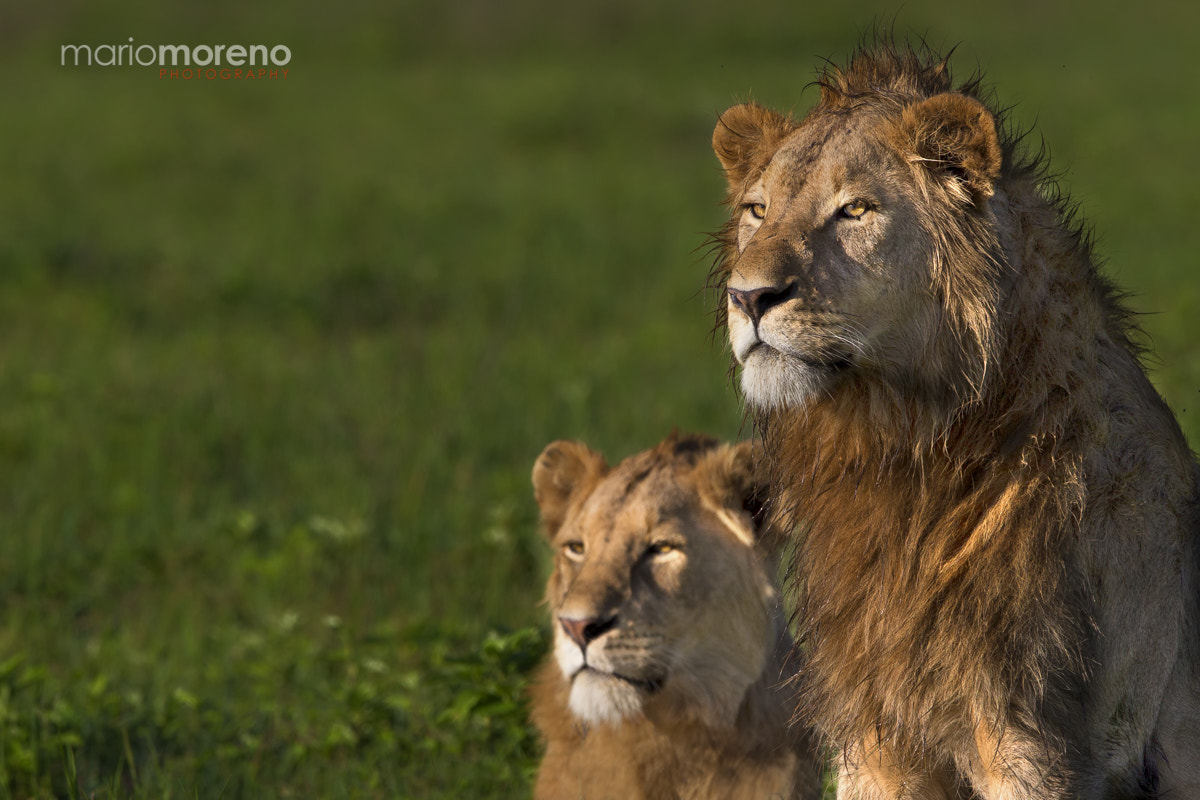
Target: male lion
point(669, 643)
point(1000, 514)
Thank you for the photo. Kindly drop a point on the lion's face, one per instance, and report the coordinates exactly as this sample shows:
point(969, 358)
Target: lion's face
point(659, 594)
point(828, 277)
point(836, 268)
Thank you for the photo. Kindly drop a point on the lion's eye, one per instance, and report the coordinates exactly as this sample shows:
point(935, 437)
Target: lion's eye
point(661, 548)
point(574, 550)
point(854, 209)
point(757, 210)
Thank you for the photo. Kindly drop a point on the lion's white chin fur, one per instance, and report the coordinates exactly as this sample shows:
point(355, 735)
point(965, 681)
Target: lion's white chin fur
point(772, 380)
point(597, 698)
point(710, 692)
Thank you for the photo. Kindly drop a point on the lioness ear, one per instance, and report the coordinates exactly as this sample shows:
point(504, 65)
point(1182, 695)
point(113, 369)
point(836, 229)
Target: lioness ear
point(745, 137)
point(749, 481)
point(955, 136)
point(733, 486)
point(563, 470)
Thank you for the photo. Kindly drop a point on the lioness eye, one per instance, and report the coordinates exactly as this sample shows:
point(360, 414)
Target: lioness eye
point(574, 549)
point(758, 210)
point(854, 209)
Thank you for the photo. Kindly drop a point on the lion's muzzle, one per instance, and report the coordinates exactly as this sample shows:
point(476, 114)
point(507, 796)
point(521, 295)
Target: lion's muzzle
point(584, 631)
point(754, 303)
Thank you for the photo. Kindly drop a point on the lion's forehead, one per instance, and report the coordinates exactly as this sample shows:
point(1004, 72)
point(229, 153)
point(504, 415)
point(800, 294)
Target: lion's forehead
point(635, 500)
point(827, 150)
point(793, 164)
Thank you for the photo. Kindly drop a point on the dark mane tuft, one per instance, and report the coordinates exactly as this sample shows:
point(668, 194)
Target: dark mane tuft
point(686, 447)
point(883, 70)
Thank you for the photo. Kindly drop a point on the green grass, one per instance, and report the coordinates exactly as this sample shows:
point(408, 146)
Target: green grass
point(276, 358)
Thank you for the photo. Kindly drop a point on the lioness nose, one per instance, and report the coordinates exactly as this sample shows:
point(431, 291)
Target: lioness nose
point(586, 630)
point(756, 302)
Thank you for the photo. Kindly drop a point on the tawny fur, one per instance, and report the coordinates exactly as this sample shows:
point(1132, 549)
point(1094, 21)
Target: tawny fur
point(664, 547)
point(997, 513)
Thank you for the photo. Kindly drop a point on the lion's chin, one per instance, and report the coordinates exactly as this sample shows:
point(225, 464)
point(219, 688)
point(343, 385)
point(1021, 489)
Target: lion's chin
point(600, 698)
point(773, 380)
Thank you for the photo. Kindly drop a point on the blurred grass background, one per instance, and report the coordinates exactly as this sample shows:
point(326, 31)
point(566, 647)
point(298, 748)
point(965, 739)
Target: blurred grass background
point(276, 357)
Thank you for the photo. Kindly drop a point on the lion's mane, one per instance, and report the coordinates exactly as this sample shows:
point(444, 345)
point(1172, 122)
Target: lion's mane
point(958, 547)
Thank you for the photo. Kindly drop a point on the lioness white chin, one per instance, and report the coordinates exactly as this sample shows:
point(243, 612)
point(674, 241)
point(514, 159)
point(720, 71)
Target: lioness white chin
point(669, 676)
point(997, 516)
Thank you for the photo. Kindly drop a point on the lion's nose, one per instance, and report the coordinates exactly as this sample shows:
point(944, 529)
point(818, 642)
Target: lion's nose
point(754, 303)
point(586, 630)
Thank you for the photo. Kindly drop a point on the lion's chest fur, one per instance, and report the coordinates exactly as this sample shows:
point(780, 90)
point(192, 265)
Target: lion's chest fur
point(928, 605)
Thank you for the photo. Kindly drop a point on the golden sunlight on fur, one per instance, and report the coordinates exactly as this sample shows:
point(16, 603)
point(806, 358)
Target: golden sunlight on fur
point(670, 653)
point(997, 514)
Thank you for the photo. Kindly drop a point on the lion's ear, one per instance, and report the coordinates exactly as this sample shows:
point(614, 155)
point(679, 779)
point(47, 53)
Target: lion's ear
point(749, 481)
point(954, 136)
point(733, 485)
point(745, 137)
point(563, 470)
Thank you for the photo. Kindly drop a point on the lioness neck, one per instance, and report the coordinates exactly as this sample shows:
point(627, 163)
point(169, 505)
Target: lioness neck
point(667, 755)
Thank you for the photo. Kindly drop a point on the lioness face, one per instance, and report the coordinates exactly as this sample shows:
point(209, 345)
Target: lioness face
point(659, 594)
point(826, 283)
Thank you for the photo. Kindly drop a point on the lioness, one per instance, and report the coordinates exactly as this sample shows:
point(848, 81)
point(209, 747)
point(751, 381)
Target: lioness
point(670, 652)
point(999, 515)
